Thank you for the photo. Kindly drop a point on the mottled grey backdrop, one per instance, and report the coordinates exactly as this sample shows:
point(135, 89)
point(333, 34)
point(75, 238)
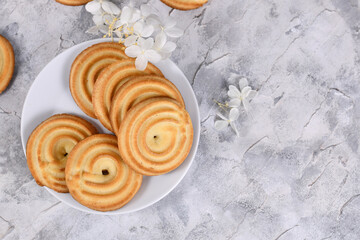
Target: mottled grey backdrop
point(292, 174)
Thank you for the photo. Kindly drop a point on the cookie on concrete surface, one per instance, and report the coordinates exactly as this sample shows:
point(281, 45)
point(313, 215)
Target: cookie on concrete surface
point(73, 2)
point(86, 69)
point(184, 4)
point(49, 145)
point(7, 63)
point(110, 80)
point(155, 136)
point(97, 177)
point(139, 89)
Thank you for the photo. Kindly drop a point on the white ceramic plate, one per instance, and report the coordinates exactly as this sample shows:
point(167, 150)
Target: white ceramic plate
point(50, 94)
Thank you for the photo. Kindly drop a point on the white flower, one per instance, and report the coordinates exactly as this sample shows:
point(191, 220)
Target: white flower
point(143, 53)
point(98, 7)
point(167, 26)
point(104, 24)
point(170, 29)
point(129, 16)
point(140, 30)
point(143, 30)
point(244, 96)
point(103, 14)
point(133, 26)
point(162, 46)
point(125, 24)
point(233, 116)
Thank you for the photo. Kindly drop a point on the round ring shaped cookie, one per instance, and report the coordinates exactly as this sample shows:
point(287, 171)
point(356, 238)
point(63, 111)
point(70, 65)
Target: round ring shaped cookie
point(7, 63)
point(97, 177)
point(155, 136)
point(110, 80)
point(139, 89)
point(49, 145)
point(86, 68)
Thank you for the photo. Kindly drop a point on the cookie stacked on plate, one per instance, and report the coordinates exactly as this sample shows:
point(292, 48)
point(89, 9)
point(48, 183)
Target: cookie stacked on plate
point(145, 111)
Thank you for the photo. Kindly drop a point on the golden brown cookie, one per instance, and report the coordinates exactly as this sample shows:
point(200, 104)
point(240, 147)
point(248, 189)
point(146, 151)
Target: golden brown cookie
point(97, 177)
point(86, 69)
point(139, 89)
point(155, 136)
point(73, 2)
point(7, 63)
point(110, 80)
point(48, 147)
point(184, 4)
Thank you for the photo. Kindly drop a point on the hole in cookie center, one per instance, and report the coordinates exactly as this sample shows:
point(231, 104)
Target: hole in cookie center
point(105, 172)
point(65, 154)
point(155, 137)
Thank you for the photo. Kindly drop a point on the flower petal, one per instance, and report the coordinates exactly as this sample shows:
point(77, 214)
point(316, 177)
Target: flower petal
point(174, 32)
point(245, 103)
point(140, 42)
point(98, 19)
point(152, 55)
point(234, 114)
point(93, 7)
point(133, 51)
point(141, 62)
point(160, 41)
point(234, 102)
point(147, 30)
point(136, 15)
point(233, 126)
point(103, 29)
point(93, 30)
point(169, 47)
point(131, 40)
point(145, 10)
point(233, 92)
point(251, 94)
point(221, 124)
point(111, 8)
point(147, 44)
point(138, 27)
point(245, 91)
point(125, 15)
point(243, 82)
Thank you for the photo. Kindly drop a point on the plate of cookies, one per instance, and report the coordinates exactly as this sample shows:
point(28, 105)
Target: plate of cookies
point(104, 137)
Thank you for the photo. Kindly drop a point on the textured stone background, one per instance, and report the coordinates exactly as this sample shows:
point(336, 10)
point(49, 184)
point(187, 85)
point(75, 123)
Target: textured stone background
point(292, 174)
